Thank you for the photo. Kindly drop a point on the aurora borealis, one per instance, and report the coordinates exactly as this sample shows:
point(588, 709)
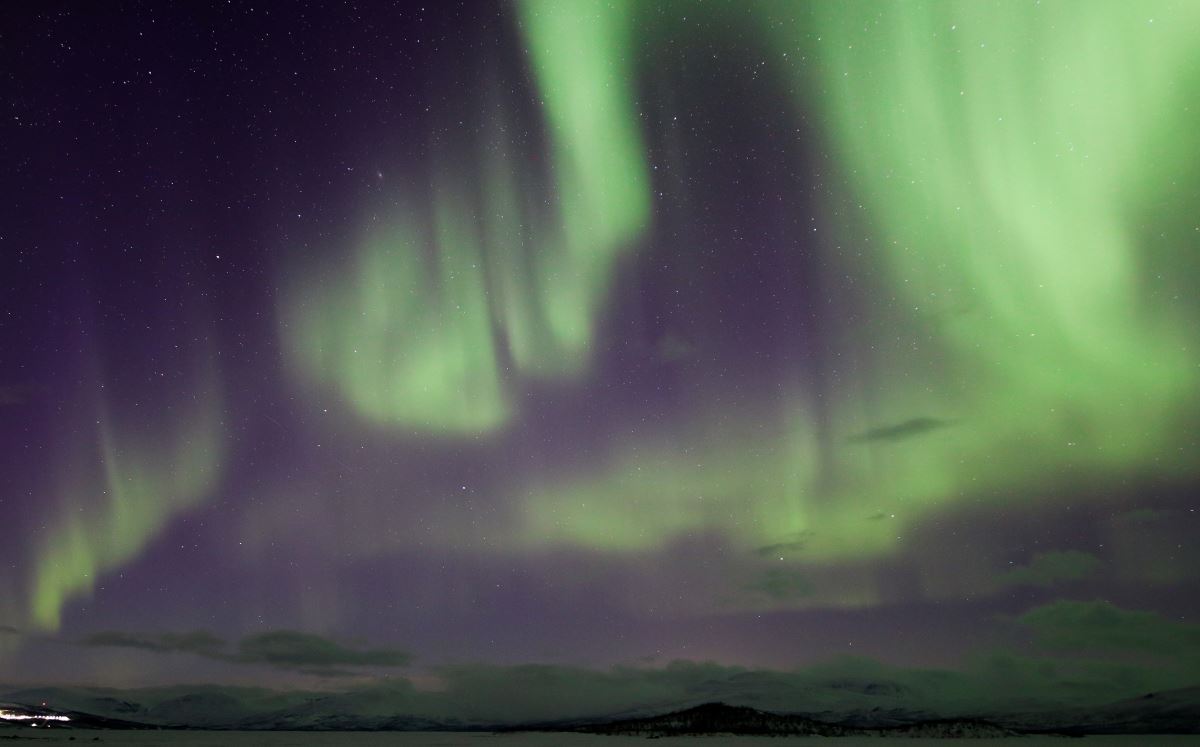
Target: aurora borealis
point(355, 344)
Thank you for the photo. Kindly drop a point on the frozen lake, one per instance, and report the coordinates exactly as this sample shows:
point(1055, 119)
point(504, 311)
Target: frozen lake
point(458, 739)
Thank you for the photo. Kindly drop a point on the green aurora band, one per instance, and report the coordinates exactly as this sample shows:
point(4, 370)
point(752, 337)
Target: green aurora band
point(150, 474)
point(1004, 151)
point(407, 337)
point(419, 331)
point(1000, 162)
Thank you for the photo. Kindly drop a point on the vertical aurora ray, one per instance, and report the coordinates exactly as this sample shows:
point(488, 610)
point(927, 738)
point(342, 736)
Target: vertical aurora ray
point(581, 56)
point(406, 336)
point(419, 333)
point(150, 474)
point(517, 257)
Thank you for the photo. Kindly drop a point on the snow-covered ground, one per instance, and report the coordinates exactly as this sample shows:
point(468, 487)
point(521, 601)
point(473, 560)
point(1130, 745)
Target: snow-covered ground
point(458, 739)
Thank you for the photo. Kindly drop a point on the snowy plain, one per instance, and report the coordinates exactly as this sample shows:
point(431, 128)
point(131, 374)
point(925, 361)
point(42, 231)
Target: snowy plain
point(479, 739)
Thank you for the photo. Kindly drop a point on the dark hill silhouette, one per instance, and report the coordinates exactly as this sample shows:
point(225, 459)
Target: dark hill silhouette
point(719, 718)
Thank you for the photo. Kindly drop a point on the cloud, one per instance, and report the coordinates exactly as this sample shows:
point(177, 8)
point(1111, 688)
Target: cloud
point(1047, 569)
point(900, 431)
point(196, 642)
point(1102, 626)
point(284, 649)
point(781, 584)
point(294, 650)
point(794, 542)
point(780, 548)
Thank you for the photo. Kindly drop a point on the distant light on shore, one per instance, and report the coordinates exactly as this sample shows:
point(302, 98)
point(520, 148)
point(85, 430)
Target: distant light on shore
point(14, 716)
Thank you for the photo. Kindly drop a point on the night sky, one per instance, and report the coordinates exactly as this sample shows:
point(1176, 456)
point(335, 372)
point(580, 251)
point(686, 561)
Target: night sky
point(359, 341)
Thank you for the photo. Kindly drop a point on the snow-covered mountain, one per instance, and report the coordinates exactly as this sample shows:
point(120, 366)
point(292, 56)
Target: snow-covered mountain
point(882, 710)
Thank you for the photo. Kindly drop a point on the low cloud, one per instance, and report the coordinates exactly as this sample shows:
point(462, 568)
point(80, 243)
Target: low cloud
point(900, 431)
point(294, 650)
point(780, 548)
point(1050, 568)
point(491, 694)
point(795, 542)
point(1103, 627)
point(284, 649)
point(196, 642)
point(843, 685)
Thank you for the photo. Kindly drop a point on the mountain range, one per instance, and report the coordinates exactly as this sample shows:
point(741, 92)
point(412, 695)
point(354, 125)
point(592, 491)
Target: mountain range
point(212, 707)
